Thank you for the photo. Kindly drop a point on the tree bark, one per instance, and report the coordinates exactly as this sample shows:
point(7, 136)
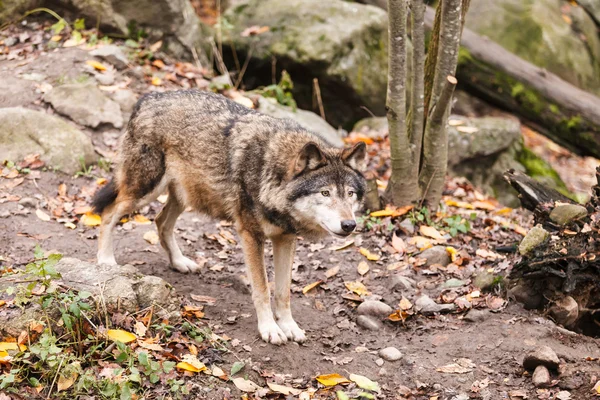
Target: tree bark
point(418, 75)
point(554, 107)
point(402, 187)
point(435, 140)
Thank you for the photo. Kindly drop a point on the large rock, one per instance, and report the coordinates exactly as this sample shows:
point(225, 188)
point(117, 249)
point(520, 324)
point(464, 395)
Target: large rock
point(59, 144)
point(342, 44)
point(120, 288)
point(566, 213)
point(552, 34)
point(592, 7)
point(85, 104)
point(307, 119)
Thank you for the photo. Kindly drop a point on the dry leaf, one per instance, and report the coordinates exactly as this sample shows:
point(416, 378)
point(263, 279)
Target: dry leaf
point(156, 81)
point(398, 244)
point(284, 389)
point(420, 242)
point(254, 30)
point(460, 204)
point(332, 271)
point(332, 379)
point(453, 253)
point(370, 256)
point(365, 383)
point(204, 299)
point(156, 46)
point(310, 287)
point(91, 219)
point(42, 215)
point(4, 346)
point(66, 382)
point(120, 335)
point(97, 65)
point(140, 219)
point(140, 329)
point(485, 205)
point(467, 129)
point(357, 287)
point(2, 302)
point(405, 304)
point(245, 385)
point(70, 225)
point(431, 232)
point(461, 366)
point(151, 237)
point(190, 362)
point(363, 267)
point(342, 247)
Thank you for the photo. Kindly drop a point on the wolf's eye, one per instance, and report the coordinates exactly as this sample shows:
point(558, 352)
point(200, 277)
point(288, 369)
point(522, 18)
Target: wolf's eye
point(325, 193)
point(350, 193)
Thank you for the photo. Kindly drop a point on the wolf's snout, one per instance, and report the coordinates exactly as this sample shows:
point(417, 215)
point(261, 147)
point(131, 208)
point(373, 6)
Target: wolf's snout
point(348, 225)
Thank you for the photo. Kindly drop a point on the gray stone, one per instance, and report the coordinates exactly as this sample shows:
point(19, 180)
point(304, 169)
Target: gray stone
point(368, 323)
point(152, 290)
point(111, 54)
point(307, 119)
point(374, 308)
point(342, 44)
point(126, 99)
point(535, 237)
point(28, 202)
point(566, 213)
point(407, 226)
point(105, 78)
point(426, 306)
point(477, 315)
point(565, 311)
point(15, 92)
point(379, 362)
point(400, 283)
point(526, 295)
point(541, 377)
point(435, 255)
point(85, 104)
point(453, 283)
point(543, 355)
point(60, 145)
point(390, 354)
point(484, 280)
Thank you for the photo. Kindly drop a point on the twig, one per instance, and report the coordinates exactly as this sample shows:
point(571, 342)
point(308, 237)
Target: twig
point(369, 111)
point(196, 58)
point(444, 100)
point(55, 376)
point(243, 70)
point(220, 64)
point(317, 92)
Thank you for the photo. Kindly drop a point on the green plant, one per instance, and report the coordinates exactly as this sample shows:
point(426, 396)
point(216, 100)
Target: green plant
point(282, 92)
point(456, 224)
point(369, 223)
point(85, 170)
point(422, 215)
point(104, 164)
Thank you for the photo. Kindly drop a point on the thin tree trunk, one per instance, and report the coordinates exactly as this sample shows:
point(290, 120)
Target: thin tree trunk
point(418, 74)
point(435, 142)
point(402, 187)
point(432, 53)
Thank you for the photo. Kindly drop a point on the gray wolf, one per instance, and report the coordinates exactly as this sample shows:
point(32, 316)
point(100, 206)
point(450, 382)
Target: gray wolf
point(270, 177)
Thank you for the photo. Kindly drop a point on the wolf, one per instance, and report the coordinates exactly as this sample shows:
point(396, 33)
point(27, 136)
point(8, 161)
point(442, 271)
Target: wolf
point(272, 178)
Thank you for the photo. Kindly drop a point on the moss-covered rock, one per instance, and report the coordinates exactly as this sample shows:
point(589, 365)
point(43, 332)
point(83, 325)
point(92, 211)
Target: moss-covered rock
point(535, 237)
point(552, 34)
point(541, 171)
point(342, 44)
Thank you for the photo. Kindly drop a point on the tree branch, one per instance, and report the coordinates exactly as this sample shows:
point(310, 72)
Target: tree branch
point(443, 103)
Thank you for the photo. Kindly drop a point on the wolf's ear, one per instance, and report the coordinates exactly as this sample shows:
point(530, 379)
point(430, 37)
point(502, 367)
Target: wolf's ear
point(310, 157)
point(355, 156)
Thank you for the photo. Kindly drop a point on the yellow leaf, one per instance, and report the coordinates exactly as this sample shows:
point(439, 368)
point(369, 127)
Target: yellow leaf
point(505, 210)
point(460, 204)
point(357, 287)
point(156, 81)
point(452, 252)
point(91, 219)
point(383, 213)
point(310, 287)
point(332, 379)
point(363, 268)
point(283, 389)
point(189, 367)
point(151, 237)
point(101, 181)
point(56, 38)
point(2, 302)
point(66, 382)
point(12, 346)
point(140, 219)
point(42, 215)
point(3, 354)
point(365, 383)
point(431, 232)
point(119, 335)
point(484, 205)
point(97, 65)
point(370, 256)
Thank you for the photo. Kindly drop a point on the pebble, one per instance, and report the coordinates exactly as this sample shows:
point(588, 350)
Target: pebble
point(543, 355)
point(400, 283)
point(368, 323)
point(565, 311)
point(435, 255)
point(484, 280)
point(29, 202)
point(112, 54)
point(379, 362)
point(390, 354)
point(407, 226)
point(477, 315)
point(374, 308)
point(566, 213)
point(527, 296)
point(426, 306)
point(541, 377)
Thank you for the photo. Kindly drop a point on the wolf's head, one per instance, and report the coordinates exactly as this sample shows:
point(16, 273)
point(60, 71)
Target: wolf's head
point(327, 188)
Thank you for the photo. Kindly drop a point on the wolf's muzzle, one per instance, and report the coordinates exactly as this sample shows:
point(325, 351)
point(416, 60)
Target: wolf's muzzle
point(348, 225)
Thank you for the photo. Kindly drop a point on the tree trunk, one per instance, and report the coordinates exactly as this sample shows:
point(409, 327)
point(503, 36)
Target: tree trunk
point(402, 186)
point(559, 110)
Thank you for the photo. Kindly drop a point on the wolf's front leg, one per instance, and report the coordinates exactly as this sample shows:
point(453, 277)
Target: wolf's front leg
point(253, 245)
point(284, 247)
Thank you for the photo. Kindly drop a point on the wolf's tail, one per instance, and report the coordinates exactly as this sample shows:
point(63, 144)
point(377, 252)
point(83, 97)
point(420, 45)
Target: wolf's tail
point(105, 197)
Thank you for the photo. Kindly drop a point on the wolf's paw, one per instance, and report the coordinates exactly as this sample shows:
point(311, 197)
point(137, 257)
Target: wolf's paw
point(184, 265)
point(107, 261)
point(292, 330)
point(271, 333)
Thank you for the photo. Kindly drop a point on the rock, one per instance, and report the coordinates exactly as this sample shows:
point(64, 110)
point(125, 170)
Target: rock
point(368, 323)
point(435, 255)
point(152, 290)
point(407, 226)
point(390, 354)
point(484, 280)
point(400, 283)
point(126, 99)
point(568, 47)
point(476, 315)
point(28, 202)
point(535, 237)
point(592, 7)
point(15, 92)
point(541, 377)
point(379, 362)
point(566, 213)
point(106, 78)
point(342, 44)
point(374, 308)
point(453, 283)
point(111, 54)
point(10, 9)
point(526, 295)
point(565, 311)
point(60, 145)
point(307, 119)
point(85, 104)
point(426, 306)
point(543, 355)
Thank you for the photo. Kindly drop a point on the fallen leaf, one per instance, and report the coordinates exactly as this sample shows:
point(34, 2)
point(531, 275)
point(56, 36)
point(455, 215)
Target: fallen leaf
point(365, 383)
point(311, 286)
point(363, 268)
point(405, 304)
point(461, 366)
point(398, 244)
point(151, 237)
point(91, 219)
point(467, 129)
point(42, 215)
point(357, 287)
point(120, 335)
point(332, 379)
point(156, 81)
point(158, 63)
point(191, 363)
point(283, 389)
point(97, 65)
point(2, 302)
point(193, 311)
point(332, 271)
point(142, 220)
point(150, 346)
point(66, 382)
point(70, 225)
point(156, 46)
point(236, 367)
point(370, 256)
point(453, 253)
point(3, 354)
point(204, 299)
point(460, 204)
point(4, 346)
point(485, 205)
point(140, 329)
point(431, 232)
point(245, 385)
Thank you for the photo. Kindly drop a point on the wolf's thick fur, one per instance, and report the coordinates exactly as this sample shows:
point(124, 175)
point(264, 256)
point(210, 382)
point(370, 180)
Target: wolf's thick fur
point(271, 177)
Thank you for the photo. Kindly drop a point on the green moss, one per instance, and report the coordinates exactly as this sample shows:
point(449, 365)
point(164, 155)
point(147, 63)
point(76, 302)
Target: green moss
point(554, 109)
point(541, 171)
point(464, 56)
point(527, 97)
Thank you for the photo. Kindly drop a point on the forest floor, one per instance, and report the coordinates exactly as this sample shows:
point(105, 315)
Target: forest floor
point(458, 354)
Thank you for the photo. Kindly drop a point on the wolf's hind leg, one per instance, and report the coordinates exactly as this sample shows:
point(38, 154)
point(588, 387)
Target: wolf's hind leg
point(165, 223)
point(283, 257)
point(110, 217)
point(253, 245)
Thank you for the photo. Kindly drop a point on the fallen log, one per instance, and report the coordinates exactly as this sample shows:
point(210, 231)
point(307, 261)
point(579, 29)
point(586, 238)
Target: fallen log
point(564, 113)
point(560, 263)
